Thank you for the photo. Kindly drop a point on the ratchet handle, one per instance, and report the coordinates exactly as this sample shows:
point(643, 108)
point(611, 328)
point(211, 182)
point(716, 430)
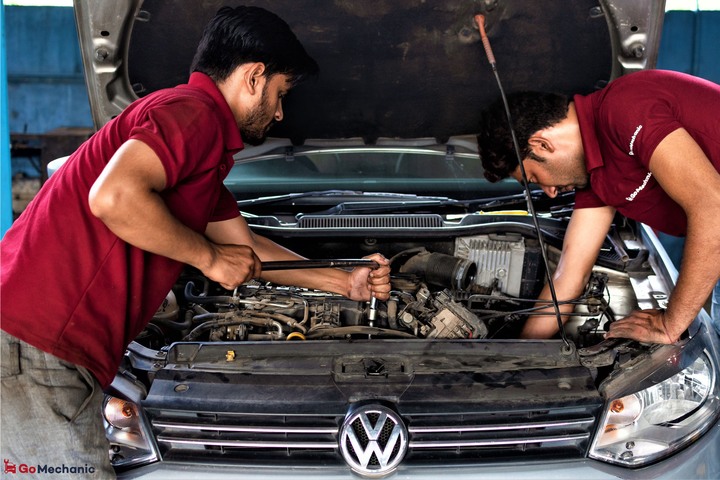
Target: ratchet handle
point(332, 263)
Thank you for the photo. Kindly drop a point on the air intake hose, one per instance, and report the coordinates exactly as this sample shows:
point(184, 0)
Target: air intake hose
point(442, 270)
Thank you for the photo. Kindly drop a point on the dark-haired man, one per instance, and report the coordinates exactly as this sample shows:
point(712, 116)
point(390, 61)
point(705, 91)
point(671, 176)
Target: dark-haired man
point(647, 146)
point(87, 264)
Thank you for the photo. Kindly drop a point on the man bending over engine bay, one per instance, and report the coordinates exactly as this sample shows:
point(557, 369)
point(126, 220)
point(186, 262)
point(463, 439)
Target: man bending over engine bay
point(89, 261)
point(647, 146)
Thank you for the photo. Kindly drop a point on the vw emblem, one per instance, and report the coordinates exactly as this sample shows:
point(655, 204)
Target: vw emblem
point(373, 440)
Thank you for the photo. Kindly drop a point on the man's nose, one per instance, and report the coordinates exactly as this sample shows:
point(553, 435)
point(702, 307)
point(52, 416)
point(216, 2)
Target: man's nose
point(279, 112)
point(550, 191)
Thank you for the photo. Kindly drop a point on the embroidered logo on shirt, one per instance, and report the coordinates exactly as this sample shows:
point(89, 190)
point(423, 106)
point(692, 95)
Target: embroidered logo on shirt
point(639, 189)
point(632, 140)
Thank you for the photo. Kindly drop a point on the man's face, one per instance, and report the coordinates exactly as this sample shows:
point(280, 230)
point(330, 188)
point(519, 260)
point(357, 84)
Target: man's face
point(562, 170)
point(266, 112)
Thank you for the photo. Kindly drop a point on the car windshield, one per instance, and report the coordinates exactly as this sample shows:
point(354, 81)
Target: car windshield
point(415, 171)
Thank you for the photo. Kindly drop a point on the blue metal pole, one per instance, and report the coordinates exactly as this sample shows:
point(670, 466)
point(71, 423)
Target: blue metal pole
point(5, 165)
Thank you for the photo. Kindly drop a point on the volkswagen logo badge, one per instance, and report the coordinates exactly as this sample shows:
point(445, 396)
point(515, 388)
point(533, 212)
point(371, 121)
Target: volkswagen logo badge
point(373, 440)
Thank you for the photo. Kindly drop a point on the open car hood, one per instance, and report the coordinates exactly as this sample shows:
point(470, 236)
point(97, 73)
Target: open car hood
point(388, 68)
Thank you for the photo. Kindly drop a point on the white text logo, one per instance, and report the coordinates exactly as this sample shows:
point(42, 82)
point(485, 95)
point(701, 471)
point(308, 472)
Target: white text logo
point(639, 189)
point(632, 140)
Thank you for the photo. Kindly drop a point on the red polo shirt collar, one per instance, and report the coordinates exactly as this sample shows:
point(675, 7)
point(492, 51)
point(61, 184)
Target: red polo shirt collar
point(231, 133)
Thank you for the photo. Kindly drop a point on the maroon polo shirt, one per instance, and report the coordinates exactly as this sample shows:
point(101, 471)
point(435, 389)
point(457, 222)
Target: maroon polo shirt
point(69, 286)
point(621, 126)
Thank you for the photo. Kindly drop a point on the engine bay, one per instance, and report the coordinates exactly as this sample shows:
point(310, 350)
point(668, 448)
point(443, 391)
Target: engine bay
point(472, 287)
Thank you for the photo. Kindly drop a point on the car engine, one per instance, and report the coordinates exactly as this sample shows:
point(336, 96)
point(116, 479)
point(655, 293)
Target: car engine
point(486, 288)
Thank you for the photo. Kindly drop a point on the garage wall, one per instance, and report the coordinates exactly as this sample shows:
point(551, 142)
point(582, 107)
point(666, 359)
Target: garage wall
point(690, 43)
point(46, 87)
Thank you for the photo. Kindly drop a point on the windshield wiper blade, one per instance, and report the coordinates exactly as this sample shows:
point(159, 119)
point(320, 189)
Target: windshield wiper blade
point(388, 206)
point(501, 201)
point(394, 197)
point(293, 196)
point(412, 202)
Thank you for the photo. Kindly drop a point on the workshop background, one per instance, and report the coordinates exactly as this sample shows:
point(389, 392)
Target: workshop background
point(46, 114)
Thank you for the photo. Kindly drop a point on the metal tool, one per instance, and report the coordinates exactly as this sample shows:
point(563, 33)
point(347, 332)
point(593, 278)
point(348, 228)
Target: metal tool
point(329, 263)
point(372, 312)
point(480, 20)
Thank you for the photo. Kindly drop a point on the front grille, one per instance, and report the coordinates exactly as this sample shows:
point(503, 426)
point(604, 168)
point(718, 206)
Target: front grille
point(297, 440)
point(246, 438)
point(500, 437)
point(370, 221)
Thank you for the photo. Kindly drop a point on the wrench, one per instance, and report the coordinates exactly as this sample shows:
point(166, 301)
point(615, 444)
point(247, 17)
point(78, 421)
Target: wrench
point(330, 263)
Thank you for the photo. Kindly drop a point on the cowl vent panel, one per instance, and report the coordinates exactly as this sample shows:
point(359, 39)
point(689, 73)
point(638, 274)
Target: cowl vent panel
point(370, 221)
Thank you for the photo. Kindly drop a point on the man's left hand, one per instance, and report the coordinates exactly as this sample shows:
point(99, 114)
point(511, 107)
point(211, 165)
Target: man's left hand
point(648, 326)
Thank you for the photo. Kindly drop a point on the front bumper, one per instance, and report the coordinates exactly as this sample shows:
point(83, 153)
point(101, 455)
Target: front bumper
point(699, 461)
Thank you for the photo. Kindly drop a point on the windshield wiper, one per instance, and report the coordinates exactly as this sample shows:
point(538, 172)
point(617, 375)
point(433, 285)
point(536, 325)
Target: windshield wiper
point(375, 202)
point(292, 196)
point(413, 202)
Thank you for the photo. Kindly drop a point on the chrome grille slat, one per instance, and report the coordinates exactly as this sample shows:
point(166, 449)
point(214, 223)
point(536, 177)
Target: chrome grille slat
point(247, 444)
point(495, 428)
point(497, 442)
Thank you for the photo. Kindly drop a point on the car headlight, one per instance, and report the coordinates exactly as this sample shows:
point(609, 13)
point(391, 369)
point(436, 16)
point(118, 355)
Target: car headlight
point(127, 432)
point(645, 426)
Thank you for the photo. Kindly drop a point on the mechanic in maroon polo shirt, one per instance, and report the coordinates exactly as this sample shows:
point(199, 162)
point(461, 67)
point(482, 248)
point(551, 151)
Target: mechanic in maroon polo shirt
point(647, 146)
point(87, 264)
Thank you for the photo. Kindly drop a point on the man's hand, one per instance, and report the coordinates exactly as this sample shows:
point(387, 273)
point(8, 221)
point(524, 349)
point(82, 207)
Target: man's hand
point(232, 265)
point(649, 326)
point(364, 282)
point(584, 237)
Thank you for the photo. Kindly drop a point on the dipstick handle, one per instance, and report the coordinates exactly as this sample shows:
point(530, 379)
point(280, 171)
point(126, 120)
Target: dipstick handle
point(480, 19)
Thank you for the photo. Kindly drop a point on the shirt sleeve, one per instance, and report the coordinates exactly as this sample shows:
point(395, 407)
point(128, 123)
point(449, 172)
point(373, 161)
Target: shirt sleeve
point(638, 114)
point(226, 208)
point(586, 198)
point(185, 134)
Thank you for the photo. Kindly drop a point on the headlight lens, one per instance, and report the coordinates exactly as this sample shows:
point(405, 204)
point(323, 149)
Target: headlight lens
point(127, 433)
point(655, 422)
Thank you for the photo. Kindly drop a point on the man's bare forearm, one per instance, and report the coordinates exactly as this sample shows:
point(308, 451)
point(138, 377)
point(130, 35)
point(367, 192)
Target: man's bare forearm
point(143, 220)
point(357, 284)
point(698, 275)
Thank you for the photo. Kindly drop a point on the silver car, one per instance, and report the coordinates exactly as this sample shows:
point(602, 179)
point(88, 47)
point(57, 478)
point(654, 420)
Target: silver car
point(378, 155)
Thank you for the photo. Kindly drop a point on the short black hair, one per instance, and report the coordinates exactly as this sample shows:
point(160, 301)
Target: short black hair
point(530, 112)
point(251, 34)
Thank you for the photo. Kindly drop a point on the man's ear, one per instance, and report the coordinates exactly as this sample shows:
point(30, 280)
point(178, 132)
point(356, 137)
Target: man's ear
point(254, 77)
point(541, 142)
